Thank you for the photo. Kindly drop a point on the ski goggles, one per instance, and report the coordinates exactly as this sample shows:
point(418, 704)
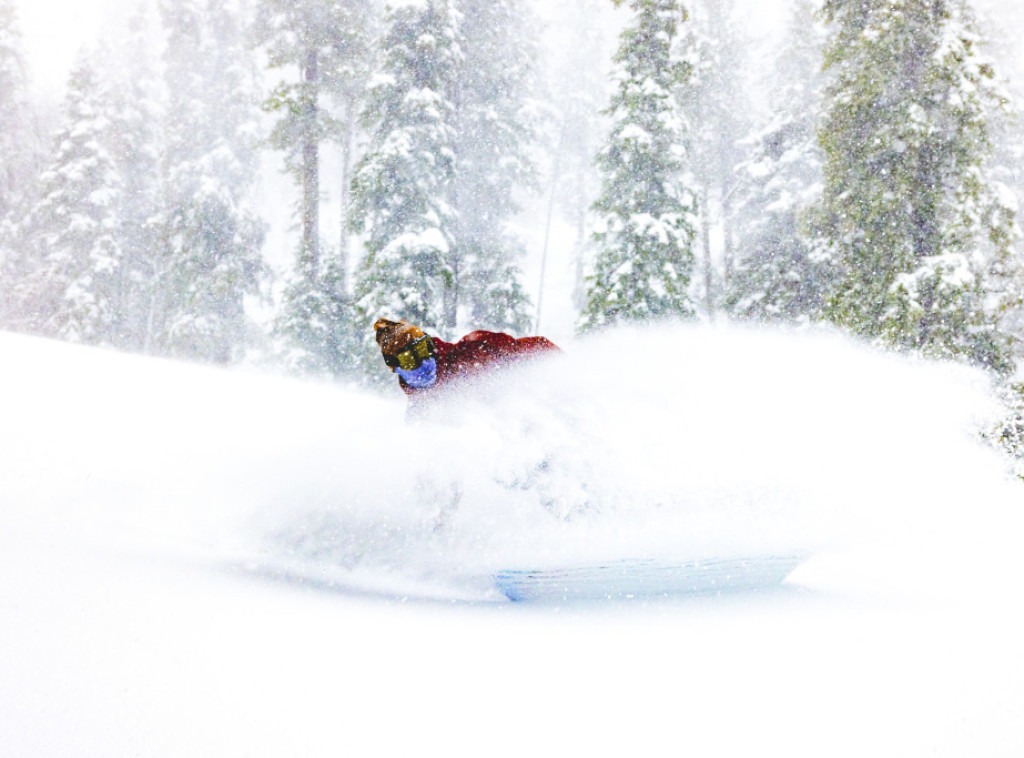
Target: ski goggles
point(413, 356)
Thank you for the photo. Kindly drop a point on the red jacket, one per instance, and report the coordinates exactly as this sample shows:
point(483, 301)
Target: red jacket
point(477, 352)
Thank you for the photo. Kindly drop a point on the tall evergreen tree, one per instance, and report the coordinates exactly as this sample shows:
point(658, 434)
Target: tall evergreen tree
point(86, 271)
point(70, 287)
point(327, 43)
point(402, 197)
point(494, 130)
point(1006, 126)
point(777, 277)
point(345, 83)
point(15, 164)
point(212, 233)
point(644, 241)
point(17, 158)
point(716, 105)
point(435, 192)
point(911, 221)
point(136, 115)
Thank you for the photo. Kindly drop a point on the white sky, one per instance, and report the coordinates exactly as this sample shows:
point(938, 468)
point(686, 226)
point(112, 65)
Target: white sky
point(55, 30)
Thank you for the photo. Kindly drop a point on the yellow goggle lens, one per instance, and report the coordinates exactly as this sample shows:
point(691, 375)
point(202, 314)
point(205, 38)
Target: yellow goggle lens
point(411, 358)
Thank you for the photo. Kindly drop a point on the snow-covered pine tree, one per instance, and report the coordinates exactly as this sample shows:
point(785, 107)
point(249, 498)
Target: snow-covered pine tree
point(211, 230)
point(402, 190)
point(435, 192)
point(345, 82)
point(70, 285)
point(135, 135)
point(494, 131)
point(18, 169)
point(717, 108)
point(644, 242)
point(1006, 127)
point(910, 218)
point(776, 277)
point(15, 163)
point(326, 43)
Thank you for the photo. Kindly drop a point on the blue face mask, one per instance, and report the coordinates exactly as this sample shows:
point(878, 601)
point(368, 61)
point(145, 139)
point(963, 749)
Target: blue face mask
point(422, 377)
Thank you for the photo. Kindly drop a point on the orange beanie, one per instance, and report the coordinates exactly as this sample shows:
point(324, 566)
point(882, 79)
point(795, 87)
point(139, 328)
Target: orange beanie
point(395, 336)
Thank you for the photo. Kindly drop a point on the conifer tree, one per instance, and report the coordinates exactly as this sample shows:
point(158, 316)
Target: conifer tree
point(493, 134)
point(777, 277)
point(15, 162)
point(18, 164)
point(1006, 127)
point(212, 233)
point(345, 83)
point(85, 272)
point(401, 199)
point(911, 221)
point(70, 284)
point(644, 242)
point(327, 43)
point(449, 146)
point(715, 104)
point(136, 115)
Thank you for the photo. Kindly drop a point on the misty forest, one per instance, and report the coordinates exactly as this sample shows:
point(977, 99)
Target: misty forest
point(863, 172)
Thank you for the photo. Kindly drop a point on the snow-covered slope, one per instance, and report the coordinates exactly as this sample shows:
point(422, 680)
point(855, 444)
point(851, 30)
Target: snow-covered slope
point(160, 525)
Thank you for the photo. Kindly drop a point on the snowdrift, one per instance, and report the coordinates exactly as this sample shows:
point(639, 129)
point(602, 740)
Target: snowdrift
point(664, 442)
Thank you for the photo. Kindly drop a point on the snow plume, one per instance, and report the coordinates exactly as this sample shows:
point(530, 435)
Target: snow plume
point(669, 442)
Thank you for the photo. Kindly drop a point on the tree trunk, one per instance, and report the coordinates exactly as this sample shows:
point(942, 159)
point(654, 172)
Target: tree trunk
point(579, 292)
point(346, 182)
point(310, 253)
point(728, 242)
point(709, 267)
point(556, 172)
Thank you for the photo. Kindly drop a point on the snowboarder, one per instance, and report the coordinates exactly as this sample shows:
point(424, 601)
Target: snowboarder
point(425, 364)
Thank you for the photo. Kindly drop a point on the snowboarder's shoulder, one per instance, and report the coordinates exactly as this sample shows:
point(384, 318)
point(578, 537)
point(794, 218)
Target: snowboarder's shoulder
point(482, 335)
point(483, 345)
point(530, 344)
point(522, 344)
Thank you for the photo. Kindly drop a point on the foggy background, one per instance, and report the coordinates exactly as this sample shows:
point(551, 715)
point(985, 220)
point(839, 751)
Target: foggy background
point(54, 34)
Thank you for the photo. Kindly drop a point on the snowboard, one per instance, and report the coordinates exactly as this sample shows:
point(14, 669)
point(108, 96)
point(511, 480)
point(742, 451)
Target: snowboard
point(645, 578)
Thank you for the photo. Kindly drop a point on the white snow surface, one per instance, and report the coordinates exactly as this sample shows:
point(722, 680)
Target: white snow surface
point(219, 563)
